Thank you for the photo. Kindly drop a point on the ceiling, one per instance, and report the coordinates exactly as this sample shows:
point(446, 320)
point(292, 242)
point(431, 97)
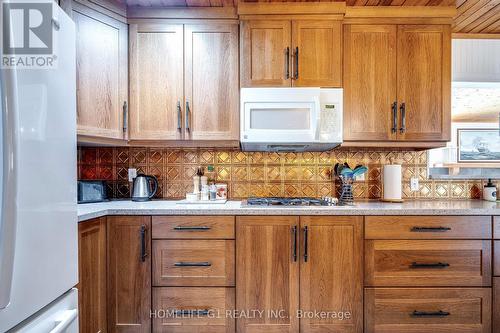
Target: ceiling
point(474, 16)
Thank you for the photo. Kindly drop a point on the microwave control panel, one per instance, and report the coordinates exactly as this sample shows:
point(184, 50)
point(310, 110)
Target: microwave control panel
point(330, 122)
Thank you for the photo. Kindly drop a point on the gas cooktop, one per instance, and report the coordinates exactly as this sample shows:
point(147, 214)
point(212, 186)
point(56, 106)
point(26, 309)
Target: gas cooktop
point(297, 201)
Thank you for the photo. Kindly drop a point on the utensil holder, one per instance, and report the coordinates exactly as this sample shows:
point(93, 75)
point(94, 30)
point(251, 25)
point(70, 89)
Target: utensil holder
point(346, 196)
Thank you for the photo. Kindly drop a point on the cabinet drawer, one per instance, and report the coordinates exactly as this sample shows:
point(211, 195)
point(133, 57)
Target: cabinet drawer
point(496, 227)
point(427, 310)
point(428, 227)
point(193, 263)
point(193, 310)
point(195, 227)
point(427, 263)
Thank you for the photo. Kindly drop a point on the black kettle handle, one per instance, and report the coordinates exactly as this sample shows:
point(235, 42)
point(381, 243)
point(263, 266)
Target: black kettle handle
point(155, 187)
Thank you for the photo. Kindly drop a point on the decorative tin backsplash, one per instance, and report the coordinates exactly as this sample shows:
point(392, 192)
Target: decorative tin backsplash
point(263, 173)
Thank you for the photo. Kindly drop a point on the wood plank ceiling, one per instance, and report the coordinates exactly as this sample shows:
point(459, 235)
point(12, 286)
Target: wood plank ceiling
point(474, 16)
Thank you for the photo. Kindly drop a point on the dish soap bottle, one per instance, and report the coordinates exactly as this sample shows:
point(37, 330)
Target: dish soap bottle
point(490, 191)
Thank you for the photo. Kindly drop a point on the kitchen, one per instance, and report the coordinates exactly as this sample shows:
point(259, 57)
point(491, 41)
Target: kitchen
point(219, 166)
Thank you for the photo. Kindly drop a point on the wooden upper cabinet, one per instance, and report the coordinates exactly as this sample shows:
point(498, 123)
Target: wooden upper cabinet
point(319, 46)
point(102, 70)
point(265, 53)
point(156, 81)
point(92, 275)
point(370, 82)
point(211, 81)
point(267, 276)
point(129, 274)
point(424, 82)
point(332, 277)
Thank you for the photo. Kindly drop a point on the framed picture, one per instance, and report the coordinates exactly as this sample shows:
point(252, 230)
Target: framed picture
point(478, 145)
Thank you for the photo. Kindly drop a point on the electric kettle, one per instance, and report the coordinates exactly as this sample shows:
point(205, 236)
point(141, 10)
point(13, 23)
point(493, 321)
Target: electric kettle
point(144, 187)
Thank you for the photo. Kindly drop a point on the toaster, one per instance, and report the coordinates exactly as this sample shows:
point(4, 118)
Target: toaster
point(91, 191)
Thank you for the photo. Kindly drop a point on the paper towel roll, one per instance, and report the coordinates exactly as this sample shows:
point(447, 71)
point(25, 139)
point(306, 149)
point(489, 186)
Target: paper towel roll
point(392, 182)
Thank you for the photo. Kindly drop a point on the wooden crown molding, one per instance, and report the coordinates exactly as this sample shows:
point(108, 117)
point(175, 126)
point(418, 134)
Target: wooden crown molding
point(399, 12)
point(136, 12)
point(291, 8)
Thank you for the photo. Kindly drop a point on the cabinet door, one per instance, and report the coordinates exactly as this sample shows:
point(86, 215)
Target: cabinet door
point(265, 53)
point(211, 81)
point(156, 81)
point(102, 70)
point(331, 279)
point(267, 275)
point(496, 304)
point(369, 82)
point(424, 82)
point(129, 274)
point(92, 275)
point(319, 46)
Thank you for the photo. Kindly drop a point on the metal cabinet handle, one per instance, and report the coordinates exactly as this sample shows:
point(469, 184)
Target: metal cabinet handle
point(296, 69)
point(144, 254)
point(294, 235)
point(187, 116)
point(430, 229)
point(431, 265)
point(306, 245)
point(125, 117)
point(394, 108)
point(193, 264)
point(195, 228)
point(439, 313)
point(402, 108)
point(179, 116)
point(287, 63)
point(192, 313)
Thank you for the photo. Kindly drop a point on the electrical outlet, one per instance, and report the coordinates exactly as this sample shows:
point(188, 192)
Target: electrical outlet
point(132, 173)
point(360, 177)
point(414, 184)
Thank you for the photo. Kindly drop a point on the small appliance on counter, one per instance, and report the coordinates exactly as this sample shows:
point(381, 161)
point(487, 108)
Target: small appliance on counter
point(144, 187)
point(490, 191)
point(90, 191)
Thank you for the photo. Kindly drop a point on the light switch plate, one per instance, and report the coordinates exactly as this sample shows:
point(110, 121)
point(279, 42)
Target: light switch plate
point(132, 173)
point(414, 184)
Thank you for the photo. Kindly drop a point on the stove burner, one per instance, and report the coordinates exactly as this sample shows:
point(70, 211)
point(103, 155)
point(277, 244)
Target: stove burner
point(277, 201)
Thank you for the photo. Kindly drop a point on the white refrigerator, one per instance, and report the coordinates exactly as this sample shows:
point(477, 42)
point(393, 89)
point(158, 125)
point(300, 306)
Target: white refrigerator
point(38, 219)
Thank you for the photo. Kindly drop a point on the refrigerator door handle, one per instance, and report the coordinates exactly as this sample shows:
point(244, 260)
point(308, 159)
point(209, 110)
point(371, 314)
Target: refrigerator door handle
point(66, 318)
point(9, 107)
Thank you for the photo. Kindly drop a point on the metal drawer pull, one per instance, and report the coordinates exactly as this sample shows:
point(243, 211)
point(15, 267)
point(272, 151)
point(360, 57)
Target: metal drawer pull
point(432, 265)
point(142, 232)
point(430, 229)
point(192, 313)
point(439, 313)
point(193, 264)
point(294, 232)
point(178, 228)
point(306, 244)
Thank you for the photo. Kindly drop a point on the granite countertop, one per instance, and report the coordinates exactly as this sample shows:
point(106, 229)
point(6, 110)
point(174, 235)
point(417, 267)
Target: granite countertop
point(164, 207)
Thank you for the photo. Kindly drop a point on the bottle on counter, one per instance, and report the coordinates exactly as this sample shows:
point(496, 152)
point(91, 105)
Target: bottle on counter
point(490, 191)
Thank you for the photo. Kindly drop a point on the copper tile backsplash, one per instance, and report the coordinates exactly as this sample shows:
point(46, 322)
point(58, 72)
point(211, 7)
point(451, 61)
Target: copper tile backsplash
point(263, 173)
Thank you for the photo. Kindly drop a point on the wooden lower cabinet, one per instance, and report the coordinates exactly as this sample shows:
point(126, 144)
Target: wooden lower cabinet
point(331, 280)
point(92, 276)
point(272, 252)
point(267, 273)
point(427, 310)
point(129, 274)
point(192, 310)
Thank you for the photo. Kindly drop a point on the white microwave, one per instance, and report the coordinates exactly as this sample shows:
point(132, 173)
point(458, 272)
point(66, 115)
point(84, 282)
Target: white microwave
point(290, 119)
